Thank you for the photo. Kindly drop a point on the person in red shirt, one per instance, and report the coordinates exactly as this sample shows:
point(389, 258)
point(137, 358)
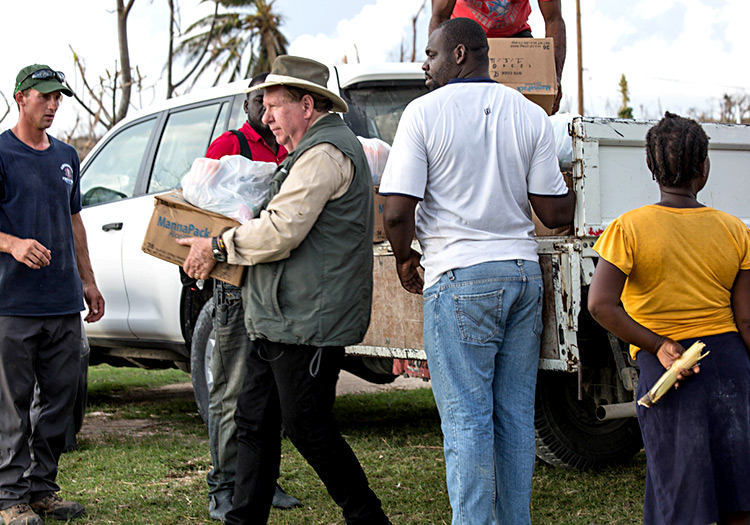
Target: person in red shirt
point(261, 141)
point(255, 141)
point(508, 19)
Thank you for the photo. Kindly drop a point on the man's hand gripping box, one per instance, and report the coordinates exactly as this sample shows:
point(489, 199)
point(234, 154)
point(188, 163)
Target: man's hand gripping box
point(175, 218)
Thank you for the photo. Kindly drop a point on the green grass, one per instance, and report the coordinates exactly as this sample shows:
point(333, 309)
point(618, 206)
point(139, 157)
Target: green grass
point(149, 466)
point(109, 380)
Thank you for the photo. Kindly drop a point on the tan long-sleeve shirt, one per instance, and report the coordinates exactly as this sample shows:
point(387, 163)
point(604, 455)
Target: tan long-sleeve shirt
point(321, 174)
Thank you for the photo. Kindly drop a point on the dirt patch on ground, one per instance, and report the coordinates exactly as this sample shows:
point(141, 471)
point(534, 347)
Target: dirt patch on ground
point(350, 384)
point(99, 424)
point(140, 395)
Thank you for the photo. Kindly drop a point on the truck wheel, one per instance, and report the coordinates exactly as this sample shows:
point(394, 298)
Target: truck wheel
point(568, 434)
point(201, 350)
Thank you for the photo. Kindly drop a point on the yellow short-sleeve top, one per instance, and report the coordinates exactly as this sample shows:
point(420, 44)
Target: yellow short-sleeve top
point(680, 264)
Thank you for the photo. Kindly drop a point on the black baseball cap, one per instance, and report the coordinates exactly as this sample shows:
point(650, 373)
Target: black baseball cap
point(42, 78)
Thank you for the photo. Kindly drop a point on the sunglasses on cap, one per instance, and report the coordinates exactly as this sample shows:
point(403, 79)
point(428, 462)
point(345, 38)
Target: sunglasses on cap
point(43, 74)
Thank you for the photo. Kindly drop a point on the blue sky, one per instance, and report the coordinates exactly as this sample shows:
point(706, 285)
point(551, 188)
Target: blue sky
point(676, 54)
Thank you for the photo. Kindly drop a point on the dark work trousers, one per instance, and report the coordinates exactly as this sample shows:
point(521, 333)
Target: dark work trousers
point(44, 351)
point(295, 385)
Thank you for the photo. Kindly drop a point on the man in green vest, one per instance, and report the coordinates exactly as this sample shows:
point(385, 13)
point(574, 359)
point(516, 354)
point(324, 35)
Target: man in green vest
point(307, 294)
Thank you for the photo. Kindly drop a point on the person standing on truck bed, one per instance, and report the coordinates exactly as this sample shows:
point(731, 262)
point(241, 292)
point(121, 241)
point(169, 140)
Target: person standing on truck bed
point(682, 272)
point(468, 157)
point(508, 19)
point(307, 294)
point(255, 141)
point(45, 276)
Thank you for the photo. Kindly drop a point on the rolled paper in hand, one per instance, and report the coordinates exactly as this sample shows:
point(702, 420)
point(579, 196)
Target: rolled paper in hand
point(686, 361)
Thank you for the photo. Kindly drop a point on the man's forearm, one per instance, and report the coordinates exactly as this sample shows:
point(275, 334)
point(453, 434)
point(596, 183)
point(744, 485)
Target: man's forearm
point(6, 242)
point(400, 236)
point(441, 11)
point(85, 271)
point(399, 229)
point(554, 211)
point(398, 221)
point(555, 29)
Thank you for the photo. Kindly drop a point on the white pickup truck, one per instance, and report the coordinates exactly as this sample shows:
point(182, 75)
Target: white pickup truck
point(585, 392)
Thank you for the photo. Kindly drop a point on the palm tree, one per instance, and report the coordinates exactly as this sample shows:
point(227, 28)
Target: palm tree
point(240, 42)
point(272, 42)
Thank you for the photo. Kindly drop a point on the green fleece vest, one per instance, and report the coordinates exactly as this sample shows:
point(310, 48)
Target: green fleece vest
point(321, 295)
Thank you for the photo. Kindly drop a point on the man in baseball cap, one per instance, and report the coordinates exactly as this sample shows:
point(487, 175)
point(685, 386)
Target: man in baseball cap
point(45, 277)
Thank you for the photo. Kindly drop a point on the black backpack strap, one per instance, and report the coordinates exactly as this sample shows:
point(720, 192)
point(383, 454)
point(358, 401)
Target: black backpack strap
point(244, 146)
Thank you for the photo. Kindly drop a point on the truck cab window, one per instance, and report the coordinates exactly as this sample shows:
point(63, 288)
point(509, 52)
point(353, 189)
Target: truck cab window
point(112, 174)
point(376, 107)
point(186, 136)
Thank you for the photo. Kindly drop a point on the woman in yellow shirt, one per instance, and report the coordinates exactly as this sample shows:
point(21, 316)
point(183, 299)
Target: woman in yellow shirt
point(682, 272)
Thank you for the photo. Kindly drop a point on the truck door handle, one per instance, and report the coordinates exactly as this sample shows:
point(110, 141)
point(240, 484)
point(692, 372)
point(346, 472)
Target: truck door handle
point(112, 226)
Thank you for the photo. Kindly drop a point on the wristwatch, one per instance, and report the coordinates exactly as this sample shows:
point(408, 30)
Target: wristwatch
point(218, 249)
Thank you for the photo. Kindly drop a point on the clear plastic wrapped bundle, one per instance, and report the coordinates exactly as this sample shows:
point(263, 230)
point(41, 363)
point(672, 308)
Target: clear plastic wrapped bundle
point(233, 185)
point(376, 151)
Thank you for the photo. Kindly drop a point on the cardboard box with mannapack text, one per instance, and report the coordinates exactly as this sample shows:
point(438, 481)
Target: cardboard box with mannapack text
point(175, 218)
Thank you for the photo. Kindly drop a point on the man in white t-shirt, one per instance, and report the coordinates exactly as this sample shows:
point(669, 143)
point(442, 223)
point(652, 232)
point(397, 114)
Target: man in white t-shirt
point(467, 158)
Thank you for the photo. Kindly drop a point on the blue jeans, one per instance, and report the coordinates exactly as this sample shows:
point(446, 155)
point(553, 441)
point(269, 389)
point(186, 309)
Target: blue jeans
point(228, 371)
point(482, 329)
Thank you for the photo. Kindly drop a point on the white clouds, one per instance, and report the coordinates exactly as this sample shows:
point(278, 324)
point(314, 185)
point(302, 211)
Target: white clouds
point(650, 9)
point(44, 37)
point(732, 26)
point(374, 35)
point(682, 54)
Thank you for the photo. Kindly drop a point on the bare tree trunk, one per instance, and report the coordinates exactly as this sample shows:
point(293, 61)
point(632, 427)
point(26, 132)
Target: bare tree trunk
point(123, 10)
point(170, 86)
point(269, 42)
point(98, 99)
point(170, 55)
point(7, 107)
point(414, 32)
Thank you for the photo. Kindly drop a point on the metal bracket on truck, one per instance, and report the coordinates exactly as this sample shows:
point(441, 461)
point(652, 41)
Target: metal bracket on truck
point(560, 260)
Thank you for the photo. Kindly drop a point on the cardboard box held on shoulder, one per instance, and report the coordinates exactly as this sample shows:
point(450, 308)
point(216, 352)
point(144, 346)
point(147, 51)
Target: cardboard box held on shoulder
point(175, 218)
point(527, 65)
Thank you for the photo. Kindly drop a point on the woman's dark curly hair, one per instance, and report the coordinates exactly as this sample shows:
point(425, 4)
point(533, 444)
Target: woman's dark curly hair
point(676, 148)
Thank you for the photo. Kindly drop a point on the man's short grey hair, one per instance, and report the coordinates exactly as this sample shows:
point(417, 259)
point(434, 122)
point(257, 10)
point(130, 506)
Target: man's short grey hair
point(321, 103)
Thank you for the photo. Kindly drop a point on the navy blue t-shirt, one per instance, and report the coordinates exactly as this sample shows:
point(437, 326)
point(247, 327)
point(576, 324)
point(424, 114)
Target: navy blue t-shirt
point(39, 191)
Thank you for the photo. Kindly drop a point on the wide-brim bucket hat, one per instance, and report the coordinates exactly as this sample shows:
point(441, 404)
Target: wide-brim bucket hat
point(303, 73)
